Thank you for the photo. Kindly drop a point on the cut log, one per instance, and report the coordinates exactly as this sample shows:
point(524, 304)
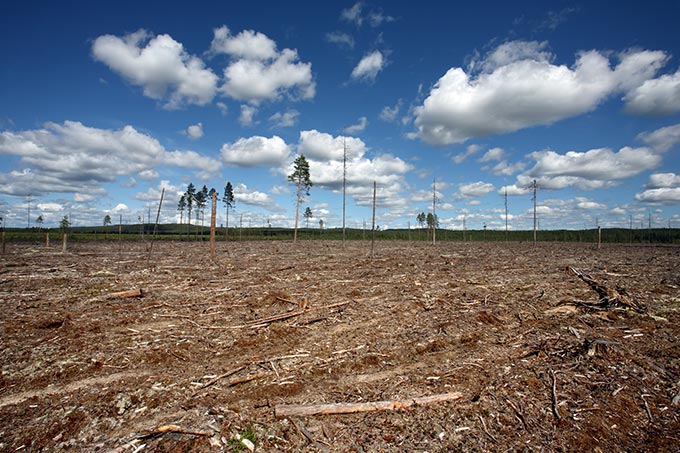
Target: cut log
point(285, 410)
point(174, 429)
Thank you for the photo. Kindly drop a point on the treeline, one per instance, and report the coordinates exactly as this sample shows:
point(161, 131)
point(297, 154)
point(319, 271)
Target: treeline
point(175, 231)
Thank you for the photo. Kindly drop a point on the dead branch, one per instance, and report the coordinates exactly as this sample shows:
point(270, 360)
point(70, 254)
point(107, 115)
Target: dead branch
point(305, 432)
point(609, 297)
point(218, 378)
point(292, 314)
point(130, 293)
point(486, 430)
point(554, 396)
point(174, 429)
point(285, 410)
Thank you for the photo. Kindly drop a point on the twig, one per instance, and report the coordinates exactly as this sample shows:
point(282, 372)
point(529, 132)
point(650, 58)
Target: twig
point(218, 378)
point(292, 314)
point(174, 429)
point(519, 414)
point(649, 412)
point(554, 396)
point(305, 432)
point(486, 430)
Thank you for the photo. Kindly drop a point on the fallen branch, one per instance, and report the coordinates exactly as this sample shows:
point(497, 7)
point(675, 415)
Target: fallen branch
point(609, 297)
point(174, 429)
point(554, 396)
point(218, 378)
point(285, 410)
point(292, 314)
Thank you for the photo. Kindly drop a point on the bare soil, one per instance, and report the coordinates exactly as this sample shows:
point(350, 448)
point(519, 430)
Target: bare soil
point(84, 370)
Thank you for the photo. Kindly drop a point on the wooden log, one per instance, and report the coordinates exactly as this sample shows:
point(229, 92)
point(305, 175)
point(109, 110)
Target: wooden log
point(130, 293)
point(175, 429)
point(285, 410)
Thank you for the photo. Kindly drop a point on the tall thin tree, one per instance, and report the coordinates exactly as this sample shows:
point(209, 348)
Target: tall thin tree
point(229, 203)
point(434, 211)
point(190, 196)
point(534, 186)
point(300, 177)
point(181, 206)
point(344, 186)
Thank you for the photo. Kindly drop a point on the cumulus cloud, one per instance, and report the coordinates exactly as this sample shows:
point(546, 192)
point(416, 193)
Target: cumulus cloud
point(286, 119)
point(503, 168)
point(247, 44)
point(517, 85)
point(223, 108)
point(195, 131)
point(662, 189)
point(341, 39)
point(356, 128)
point(587, 204)
point(256, 152)
point(662, 139)
point(250, 197)
point(593, 169)
point(475, 189)
point(72, 157)
point(325, 154)
point(159, 65)
point(656, 97)
point(258, 71)
point(368, 67)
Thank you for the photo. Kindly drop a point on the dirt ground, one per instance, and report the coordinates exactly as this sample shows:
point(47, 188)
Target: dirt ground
point(204, 351)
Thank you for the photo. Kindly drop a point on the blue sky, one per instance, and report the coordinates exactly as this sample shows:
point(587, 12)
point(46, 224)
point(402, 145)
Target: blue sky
point(104, 104)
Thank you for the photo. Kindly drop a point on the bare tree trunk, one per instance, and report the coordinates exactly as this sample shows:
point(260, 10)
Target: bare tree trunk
point(297, 209)
point(226, 229)
point(213, 219)
point(63, 242)
point(47, 239)
point(373, 227)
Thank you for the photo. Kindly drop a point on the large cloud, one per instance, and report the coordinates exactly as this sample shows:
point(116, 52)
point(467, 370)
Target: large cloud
point(258, 71)
point(325, 155)
point(655, 97)
point(662, 139)
point(663, 189)
point(517, 86)
point(160, 65)
point(255, 198)
point(593, 169)
point(256, 151)
point(72, 157)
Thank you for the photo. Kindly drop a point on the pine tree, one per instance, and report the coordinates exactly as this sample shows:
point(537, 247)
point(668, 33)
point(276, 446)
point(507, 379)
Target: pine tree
point(229, 203)
point(300, 177)
point(190, 196)
point(308, 215)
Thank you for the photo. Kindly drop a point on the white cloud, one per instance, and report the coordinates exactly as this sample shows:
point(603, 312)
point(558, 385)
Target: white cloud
point(320, 146)
point(503, 168)
point(356, 128)
point(247, 44)
point(255, 198)
point(586, 204)
point(662, 139)
point(662, 196)
point(475, 189)
point(325, 154)
point(258, 71)
point(160, 65)
point(148, 174)
point(659, 180)
point(246, 118)
point(492, 154)
point(195, 131)
point(342, 39)
point(256, 151)
point(520, 87)
point(368, 68)
point(469, 151)
point(72, 157)
point(655, 97)
point(286, 119)
point(390, 114)
point(662, 189)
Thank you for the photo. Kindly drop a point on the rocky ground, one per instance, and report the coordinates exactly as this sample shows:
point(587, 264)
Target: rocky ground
point(213, 347)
